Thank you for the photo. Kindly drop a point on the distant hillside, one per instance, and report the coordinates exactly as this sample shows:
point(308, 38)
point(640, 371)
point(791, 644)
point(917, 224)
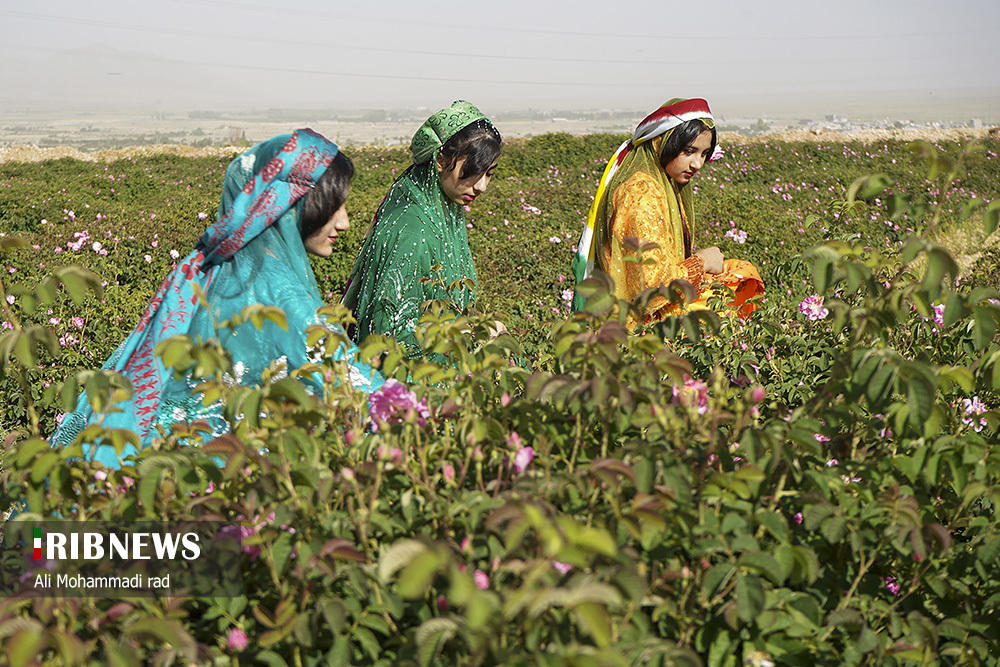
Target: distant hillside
point(25, 153)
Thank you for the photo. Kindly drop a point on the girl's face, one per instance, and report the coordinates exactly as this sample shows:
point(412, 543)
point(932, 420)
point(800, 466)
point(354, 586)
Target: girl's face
point(691, 159)
point(321, 241)
point(463, 190)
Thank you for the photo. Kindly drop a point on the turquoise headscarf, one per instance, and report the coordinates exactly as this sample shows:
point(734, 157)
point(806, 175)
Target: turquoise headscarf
point(253, 253)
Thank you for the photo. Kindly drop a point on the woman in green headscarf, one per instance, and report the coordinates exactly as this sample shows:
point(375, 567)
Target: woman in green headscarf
point(421, 224)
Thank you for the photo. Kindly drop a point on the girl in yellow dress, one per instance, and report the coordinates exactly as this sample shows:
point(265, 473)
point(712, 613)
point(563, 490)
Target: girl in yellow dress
point(645, 194)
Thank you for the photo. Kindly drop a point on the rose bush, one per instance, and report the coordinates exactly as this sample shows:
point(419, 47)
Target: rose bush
point(789, 489)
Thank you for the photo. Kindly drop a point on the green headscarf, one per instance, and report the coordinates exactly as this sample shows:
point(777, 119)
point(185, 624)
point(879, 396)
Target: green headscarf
point(441, 127)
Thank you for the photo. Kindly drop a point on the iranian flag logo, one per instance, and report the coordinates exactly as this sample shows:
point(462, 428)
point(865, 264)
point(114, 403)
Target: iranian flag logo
point(38, 543)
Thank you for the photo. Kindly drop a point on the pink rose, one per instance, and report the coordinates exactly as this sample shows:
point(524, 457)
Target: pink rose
point(392, 401)
point(523, 458)
point(237, 640)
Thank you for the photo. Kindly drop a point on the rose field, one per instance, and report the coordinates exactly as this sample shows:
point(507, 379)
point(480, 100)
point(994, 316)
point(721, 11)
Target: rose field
point(815, 485)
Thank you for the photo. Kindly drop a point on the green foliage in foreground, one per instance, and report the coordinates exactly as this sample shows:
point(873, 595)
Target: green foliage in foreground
point(799, 488)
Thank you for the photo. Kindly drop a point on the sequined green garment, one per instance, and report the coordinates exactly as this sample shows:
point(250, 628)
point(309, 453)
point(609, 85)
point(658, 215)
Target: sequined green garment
point(415, 228)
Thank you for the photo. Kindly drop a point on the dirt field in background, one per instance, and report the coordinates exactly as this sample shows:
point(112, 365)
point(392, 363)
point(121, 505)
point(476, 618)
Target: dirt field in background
point(27, 153)
point(864, 136)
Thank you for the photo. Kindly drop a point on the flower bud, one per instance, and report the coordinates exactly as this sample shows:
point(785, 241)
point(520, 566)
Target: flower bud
point(237, 640)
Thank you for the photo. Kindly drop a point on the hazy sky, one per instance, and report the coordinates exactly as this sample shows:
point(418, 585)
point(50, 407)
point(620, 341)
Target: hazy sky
point(184, 54)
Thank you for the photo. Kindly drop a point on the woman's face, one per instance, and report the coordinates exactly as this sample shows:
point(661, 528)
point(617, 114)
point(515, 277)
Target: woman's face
point(691, 159)
point(321, 241)
point(463, 190)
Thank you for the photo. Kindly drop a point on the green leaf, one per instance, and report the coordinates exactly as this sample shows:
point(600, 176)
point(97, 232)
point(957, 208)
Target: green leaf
point(991, 217)
point(989, 551)
point(749, 597)
point(822, 273)
point(334, 613)
point(816, 514)
point(957, 375)
point(775, 523)
point(168, 631)
point(45, 291)
point(834, 529)
point(23, 647)
point(44, 465)
point(954, 309)
point(376, 623)
point(806, 564)
point(644, 472)
point(398, 556)
point(291, 390)
point(867, 187)
point(844, 617)
point(431, 634)
point(366, 638)
point(896, 205)
point(282, 551)
point(691, 328)
point(596, 620)
point(985, 327)
point(939, 263)
point(28, 449)
point(29, 303)
point(867, 640)
point(175, 352)
point(971, 207)
point(921, 399)
point(722, 651)
point(25, 350)
point(77, 281)
point(8, 243)
point(480, 611)
point(749, 473)
point(880, 383)
point(765, 564)
point(270, 658)
point(149, 484)
point(714, 578)
point(259, 314)
point(596, 539)
point(237, 605)
point(415, 578)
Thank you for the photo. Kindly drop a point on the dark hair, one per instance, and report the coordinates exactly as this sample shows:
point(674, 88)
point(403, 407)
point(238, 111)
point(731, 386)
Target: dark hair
point(479, 143)
point(681, 138)
point(328, 195)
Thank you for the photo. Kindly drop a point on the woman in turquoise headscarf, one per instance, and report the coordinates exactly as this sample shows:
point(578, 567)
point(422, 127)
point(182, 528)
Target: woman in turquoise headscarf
point(281, 199)
point(421, 224)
